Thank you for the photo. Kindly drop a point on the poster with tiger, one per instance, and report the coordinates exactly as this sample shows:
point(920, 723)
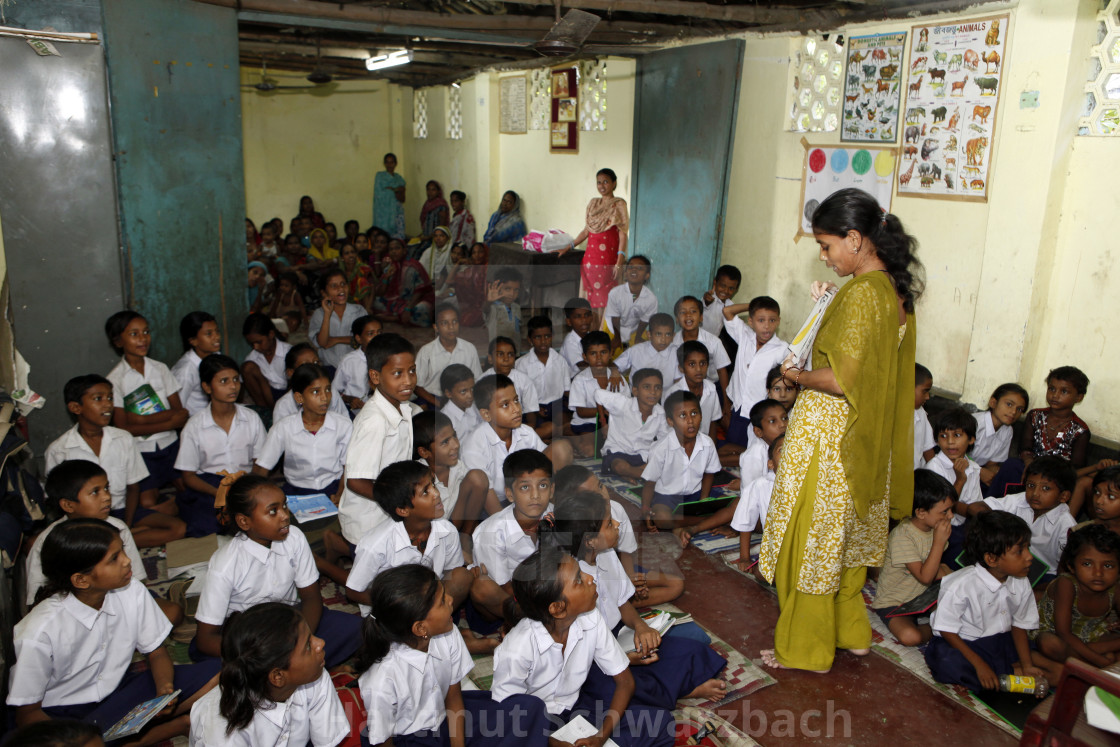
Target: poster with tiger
point(952, 98)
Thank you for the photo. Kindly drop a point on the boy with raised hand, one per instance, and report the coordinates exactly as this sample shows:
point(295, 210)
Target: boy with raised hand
point(759, 350)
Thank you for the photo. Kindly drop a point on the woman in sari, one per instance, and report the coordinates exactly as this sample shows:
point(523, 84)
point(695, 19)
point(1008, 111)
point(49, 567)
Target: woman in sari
point(849, 445)
point(307, 210)
point(469, 283)
point(357, 275)
point(605, 231)
point(404, 292)
point(435, 213)
point(388, 199)
point(506, 224)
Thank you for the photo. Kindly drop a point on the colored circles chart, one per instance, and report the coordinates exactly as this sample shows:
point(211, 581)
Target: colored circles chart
point(829, 169)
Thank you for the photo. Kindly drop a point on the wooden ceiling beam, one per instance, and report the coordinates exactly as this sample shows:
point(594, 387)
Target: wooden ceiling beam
point(748, 14)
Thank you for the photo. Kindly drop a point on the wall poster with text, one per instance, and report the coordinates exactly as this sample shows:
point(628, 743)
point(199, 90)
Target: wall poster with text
point(873, 88)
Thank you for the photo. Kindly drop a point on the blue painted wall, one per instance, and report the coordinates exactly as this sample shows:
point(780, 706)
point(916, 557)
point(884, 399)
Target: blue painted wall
point(176, 110)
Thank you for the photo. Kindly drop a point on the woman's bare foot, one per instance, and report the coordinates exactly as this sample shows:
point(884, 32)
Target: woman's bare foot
point(770, 659)
point(713, 689)
point(858, 651)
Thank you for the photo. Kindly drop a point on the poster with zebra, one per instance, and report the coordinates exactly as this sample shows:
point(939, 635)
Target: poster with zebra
point(952, 97)
point(872, 88)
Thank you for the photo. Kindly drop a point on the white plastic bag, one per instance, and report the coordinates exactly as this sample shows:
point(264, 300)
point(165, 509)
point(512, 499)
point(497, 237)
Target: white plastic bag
point(545, 242)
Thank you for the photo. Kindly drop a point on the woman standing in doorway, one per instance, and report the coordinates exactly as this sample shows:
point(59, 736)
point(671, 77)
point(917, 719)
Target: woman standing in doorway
point(606, 233)
point(388, 199)
point(849, 444)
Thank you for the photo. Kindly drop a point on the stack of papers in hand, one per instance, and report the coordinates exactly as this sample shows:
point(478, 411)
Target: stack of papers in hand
point(306, 508)
point(801, 346)
point(656, 619)
point(578, 728)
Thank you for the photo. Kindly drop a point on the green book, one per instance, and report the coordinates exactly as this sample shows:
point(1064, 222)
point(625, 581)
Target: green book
point(143, 401)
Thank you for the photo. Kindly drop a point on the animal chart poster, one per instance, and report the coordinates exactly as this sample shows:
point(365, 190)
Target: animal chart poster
point(829, 169)
point(951, 103)
point(872, 88)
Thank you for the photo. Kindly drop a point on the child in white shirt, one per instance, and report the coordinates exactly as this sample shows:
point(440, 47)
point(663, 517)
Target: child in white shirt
point(682, 466)
point(578, 314)
point(689, 318)
point(201, 338)
point(462, 490)
point(547, 369)
point(956, 433)
point(759, 350)
point(457, 384)
point(299, 355)
point(724, 287)
point(754, 503)
point(447, 348)
point(502, 357)
point(262, 372)
point(351, 379)
point(693, 360)
point(656, 352)
point(330, 323)
point(924, 441)
point(636, 423)
point(581, 399)
point(994, 428)
point(631, 304)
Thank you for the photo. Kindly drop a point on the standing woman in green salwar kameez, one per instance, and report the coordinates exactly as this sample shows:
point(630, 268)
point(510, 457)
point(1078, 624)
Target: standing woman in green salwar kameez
point(852, 423)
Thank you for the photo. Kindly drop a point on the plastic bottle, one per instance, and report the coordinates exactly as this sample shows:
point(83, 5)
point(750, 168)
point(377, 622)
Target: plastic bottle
point(1013, 683)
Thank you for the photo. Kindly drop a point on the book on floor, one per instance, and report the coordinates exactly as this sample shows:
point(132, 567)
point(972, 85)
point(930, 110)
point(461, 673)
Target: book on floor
point(576, 729)
point(138, 717)
point(306, 508)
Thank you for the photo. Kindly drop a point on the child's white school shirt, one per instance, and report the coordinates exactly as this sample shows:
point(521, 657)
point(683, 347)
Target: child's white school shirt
point(584, 388)
point(923, 437)
point(243, 573)
point(35, 577)
point(645, 355)
point(628, 433)
point(206, 447)
point(433, 358)
point(351, 378)
point(528, 661)
point(717, 353)
point(337, 327)
point(68, 653)
point(406, 691)
point(287, 406)
point(973, 604)
point(713, 320)
point(500, 544)
point(190, 384)
point(630, 311)
point(753, 504)
point(483, 449)
point(388, 546)
point(627, 542)
point(449, 493)
point(572, 350)
point(312, 714)
point(524, 386)
point(382, 435)
point(752, 462)
point(552, 378)
point(992, 444)
point(710, 408)
point(1049, 532)
point(612, 583)
point(274, 373)
point(311, 460)
point(748, 382)
point(970, 493)
point(463, 421)
point(119, 457)
point(126, 380)
point(673, 471)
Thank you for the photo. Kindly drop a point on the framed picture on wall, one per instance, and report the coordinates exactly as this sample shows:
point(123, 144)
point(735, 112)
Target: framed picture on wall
point(564, 129)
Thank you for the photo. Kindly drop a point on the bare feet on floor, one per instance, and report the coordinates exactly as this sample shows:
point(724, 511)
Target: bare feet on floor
point(770, 659)
point(476, 645)
point(713, 689)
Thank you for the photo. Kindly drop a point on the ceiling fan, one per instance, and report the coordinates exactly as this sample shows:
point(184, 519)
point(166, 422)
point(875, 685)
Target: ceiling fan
point(567, 35)
point(268, 84)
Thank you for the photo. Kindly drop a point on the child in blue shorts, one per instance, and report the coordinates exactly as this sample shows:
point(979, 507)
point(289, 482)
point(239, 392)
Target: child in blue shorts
point(682, 466)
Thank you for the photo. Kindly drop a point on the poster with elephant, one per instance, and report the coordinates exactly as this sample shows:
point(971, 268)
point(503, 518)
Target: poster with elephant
point(829, 168)
point(872, 88)
point(952, 99)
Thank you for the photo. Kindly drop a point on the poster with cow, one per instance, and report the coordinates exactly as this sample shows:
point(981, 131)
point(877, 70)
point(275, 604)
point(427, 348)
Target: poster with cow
point(952, 98)
point(873, 88)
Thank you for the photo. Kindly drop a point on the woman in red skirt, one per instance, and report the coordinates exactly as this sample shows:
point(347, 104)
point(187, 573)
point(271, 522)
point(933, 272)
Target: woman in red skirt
point(608, 222)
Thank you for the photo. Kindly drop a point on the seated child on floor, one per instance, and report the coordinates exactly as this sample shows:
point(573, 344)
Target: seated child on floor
point(487, 447)
point(630, 304)
point(80, 489)
point(779, 389)
point(547, 369)
point(268, 560)
point(552, 652)
point(199, 331)
point(955, 430)
point(262, 371)
point(313, 442)
point(457, 384)
point(681, 466)
point(994, 428)
point(447, 348)
point(1105, 505)
point(502, 312)
point(223, 438)
point(586, 427)
point(1048, 483)
point(754, 503)
point(689, 315)
point(724, 287)
point(286, 406)
point(913, 561)
point(89, 400)
point(411, 663)
point(272, 663)
point(1078, 613)
point(758, 350)
point(462, 490)
point(578, 315)
point(985, 611)
point(502, 355)
point(692, 357)
point(351, 379)
point(656, 352)
point(637, 422)
point(678, 665)
point(509, 536)
point(74, 649)
point(924, 441)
